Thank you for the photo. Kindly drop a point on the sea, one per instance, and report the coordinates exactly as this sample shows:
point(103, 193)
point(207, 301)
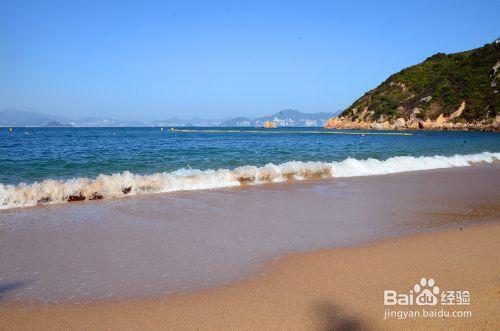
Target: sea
point(194, 208)
point(58, 165)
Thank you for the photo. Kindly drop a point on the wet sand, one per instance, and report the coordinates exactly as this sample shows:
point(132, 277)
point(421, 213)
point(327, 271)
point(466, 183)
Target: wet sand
point(174, 243)
point(340, 289)
point(59, 264)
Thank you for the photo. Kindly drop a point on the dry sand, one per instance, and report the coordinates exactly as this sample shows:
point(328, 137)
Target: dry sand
point(329, 289)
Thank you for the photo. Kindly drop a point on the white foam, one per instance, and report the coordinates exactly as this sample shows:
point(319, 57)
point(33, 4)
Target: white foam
point(119, 185)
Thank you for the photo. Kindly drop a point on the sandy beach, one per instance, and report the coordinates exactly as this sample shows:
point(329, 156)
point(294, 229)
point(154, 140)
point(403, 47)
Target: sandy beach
point(208, 260)
point(326, 290)
point(249, 165)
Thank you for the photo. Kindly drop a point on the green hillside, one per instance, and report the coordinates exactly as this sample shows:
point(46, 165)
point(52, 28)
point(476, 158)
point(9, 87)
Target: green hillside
point(437, 86)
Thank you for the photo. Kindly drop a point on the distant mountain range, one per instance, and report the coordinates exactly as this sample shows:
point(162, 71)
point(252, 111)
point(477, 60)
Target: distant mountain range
point(284, 118)
point(13, 117)
point(105, 122)
point(176, 122)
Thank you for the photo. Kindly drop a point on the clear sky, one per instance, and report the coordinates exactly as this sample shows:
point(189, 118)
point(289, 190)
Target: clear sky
point(146, 60)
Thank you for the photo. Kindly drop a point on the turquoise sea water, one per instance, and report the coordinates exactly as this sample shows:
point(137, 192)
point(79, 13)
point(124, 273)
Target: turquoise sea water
point(35, 154)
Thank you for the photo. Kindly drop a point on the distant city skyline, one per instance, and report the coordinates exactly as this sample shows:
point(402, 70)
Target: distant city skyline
point(144, 61)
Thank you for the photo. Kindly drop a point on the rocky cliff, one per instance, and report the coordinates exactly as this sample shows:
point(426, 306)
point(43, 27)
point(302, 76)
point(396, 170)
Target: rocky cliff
point(445, 92)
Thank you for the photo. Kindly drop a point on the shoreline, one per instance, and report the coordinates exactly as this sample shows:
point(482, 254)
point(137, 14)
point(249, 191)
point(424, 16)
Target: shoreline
point(274, 185)
point(422, 126)
point(125, 184)
point(136, 248)
point(329, 288)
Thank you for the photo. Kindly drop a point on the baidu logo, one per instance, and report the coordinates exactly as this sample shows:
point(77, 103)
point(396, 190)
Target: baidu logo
point(426, 293)
point(425, 300)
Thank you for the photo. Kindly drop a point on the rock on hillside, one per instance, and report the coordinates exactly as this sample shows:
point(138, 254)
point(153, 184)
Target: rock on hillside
point(445, 92)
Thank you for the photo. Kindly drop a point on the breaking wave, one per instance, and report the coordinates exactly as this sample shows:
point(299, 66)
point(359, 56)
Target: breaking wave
point(124, 184)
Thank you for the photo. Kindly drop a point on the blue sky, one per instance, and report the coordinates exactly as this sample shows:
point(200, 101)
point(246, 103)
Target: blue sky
point(146, 60)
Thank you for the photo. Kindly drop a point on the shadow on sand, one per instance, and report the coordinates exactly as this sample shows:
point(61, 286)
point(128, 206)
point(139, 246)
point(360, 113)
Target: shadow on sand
point(7, 287)
point(334, 318)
